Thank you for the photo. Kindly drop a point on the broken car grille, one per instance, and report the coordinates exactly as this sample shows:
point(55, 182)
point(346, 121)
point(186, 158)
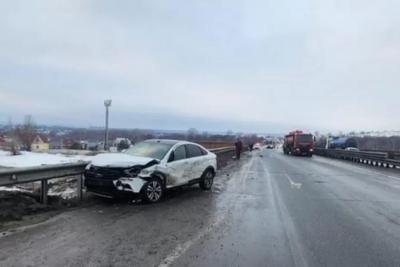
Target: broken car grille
point(105, 173)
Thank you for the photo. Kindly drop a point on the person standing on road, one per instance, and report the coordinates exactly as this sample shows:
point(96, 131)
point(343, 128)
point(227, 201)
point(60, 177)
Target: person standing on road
point(251, 146)
point(238, 148)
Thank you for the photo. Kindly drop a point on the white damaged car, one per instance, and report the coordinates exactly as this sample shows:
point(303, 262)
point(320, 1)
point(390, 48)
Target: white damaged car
point(149, 168)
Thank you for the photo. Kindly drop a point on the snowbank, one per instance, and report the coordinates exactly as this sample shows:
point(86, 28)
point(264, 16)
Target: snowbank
point(12, 189)
point(4, 153)
point(31, 159)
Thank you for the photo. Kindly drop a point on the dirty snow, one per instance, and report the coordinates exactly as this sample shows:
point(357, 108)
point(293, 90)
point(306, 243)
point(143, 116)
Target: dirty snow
point(32, 159)
point(12, 189)
point(67, 193)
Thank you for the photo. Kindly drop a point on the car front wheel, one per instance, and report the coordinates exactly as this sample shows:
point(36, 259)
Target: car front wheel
point(207, 180)
point(153, 190)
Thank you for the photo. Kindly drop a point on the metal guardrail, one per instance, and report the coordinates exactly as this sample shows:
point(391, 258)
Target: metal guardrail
point(14, 176)
point(224, 154)
point(380, 159)
point(222, 149)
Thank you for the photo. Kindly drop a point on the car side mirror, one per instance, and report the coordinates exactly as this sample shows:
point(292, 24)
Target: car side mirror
point(171, 157)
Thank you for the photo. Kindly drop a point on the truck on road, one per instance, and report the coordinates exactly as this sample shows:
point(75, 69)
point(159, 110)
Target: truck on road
point(299, 143)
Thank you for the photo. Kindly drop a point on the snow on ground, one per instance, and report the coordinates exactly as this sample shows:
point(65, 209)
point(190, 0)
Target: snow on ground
point(67, 193)
point(12, 189)
point(4, 153)
point(32, 159)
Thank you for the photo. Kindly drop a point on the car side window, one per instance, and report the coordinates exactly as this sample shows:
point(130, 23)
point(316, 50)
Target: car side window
point(193, 151)
point(203, 152)
point(179, 153)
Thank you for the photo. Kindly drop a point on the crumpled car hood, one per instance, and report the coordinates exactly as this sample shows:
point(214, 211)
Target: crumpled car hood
point(119, 160)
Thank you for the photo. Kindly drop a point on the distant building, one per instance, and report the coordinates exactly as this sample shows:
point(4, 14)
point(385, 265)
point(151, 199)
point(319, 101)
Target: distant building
point(67, 143)
point(56, 144)
point(84, 145)
point(40, 143)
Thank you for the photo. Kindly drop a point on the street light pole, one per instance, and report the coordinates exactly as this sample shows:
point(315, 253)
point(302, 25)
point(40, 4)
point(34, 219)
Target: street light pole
point(107, 104)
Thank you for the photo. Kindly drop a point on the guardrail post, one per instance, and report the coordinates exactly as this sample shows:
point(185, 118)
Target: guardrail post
point(79, 187)
point(43, 192)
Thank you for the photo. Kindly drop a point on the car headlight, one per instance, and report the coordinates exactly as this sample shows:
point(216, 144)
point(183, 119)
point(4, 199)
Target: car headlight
point(145, 173)
point(88, 167)
point(133, 172)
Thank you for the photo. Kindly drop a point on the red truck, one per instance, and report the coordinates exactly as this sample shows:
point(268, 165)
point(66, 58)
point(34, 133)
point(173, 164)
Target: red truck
point(299, 143)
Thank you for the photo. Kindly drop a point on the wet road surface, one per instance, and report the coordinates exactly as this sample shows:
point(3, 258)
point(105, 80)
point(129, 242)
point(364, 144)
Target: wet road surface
point(272, 210)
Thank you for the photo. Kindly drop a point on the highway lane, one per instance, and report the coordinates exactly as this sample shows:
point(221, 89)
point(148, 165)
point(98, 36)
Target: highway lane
point(272, 210)
point(293, 211)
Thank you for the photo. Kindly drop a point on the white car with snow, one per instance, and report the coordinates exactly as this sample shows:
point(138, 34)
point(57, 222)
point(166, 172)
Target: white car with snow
point(151, 167)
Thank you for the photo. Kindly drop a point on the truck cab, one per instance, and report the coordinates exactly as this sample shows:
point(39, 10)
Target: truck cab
point(299, 143)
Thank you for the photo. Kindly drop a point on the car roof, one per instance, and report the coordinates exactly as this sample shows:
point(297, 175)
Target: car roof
point(169, 141)
point(163, 141)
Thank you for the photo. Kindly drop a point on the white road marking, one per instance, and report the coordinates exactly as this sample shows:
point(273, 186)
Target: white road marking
point(292, 183)
point(295, 247)
point(182, 248)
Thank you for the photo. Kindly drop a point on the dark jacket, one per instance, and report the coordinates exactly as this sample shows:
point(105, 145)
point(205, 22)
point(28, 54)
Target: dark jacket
point(239, 146)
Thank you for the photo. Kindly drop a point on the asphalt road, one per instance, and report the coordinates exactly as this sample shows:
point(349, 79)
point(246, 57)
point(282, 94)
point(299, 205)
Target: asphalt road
point(272, 210)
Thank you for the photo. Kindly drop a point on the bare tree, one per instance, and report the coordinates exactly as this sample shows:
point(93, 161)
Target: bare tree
point(27, 132)
point(12, 140)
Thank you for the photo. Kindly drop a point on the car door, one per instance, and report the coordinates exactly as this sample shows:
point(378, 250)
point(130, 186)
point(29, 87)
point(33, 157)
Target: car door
point(196, 161)
point(177, 167)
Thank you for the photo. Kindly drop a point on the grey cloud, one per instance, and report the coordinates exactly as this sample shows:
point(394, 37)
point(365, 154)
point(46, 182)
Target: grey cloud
point(273, 65)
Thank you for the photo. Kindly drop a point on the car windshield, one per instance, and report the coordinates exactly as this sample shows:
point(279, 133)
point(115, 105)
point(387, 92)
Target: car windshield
point(149, 149)
point(304, 138)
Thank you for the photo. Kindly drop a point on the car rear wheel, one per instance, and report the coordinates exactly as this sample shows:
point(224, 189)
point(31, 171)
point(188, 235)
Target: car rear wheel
point(207, 179)
point(153, 190)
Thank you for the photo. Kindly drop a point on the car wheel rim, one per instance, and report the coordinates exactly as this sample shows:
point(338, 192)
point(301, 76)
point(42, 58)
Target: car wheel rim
point(208, 179)
point(154, 191)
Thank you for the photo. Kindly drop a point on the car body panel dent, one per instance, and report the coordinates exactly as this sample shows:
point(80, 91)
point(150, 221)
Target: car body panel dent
point(129, 184)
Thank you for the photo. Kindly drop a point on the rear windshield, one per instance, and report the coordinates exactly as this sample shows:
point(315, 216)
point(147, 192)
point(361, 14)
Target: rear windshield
point(150, 150)
point(304, 138)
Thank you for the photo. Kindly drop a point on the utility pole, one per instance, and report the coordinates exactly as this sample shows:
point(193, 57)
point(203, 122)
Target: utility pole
point(107, 104)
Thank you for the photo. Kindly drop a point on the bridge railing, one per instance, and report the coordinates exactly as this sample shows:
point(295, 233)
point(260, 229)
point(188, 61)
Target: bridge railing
point(367, 157)
point(14, 176)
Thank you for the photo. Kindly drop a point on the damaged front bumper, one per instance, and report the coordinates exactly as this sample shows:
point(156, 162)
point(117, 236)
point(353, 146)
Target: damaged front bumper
point(128, 184)
point(122, 187)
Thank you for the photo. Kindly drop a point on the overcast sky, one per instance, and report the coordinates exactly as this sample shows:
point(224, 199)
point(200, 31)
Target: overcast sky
point(265, 66)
